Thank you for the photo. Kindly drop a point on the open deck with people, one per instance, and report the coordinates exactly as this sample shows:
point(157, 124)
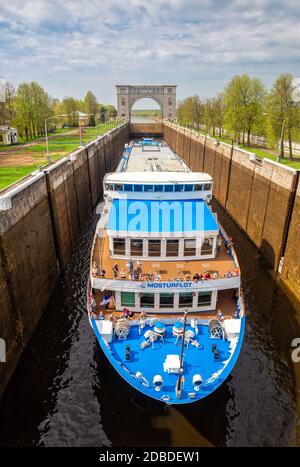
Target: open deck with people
point(222, 266)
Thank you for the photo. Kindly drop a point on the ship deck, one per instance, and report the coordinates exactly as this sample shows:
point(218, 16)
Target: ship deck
point(138, 366)
point(168, 270)
point(151, 158)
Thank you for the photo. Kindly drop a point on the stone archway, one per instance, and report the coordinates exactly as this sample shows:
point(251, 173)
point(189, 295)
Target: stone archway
point(164, 95)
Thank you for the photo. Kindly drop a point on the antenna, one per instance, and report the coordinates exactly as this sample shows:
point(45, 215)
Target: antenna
point(179, 382)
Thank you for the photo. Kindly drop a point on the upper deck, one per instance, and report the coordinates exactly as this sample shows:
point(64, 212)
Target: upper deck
point(155, 159)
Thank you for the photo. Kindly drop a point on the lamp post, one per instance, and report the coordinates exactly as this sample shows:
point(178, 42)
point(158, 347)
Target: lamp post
point(46, 135)
point(280, 155)
point(105, 118)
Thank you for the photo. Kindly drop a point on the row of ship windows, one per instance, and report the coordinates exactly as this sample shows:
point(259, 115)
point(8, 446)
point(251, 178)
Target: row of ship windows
point(166, 300)
point(154, 247)
point(158, 188)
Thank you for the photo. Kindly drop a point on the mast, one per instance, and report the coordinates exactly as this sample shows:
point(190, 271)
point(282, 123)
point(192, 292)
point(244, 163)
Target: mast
point(179, 382)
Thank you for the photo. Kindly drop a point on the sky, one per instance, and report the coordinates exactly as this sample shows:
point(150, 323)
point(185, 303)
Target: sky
point(72, 46)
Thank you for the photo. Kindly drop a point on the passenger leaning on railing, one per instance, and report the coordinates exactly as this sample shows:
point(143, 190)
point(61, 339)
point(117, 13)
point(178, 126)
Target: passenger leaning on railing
point(115, 270)
point(95, 269)
point(123, 274)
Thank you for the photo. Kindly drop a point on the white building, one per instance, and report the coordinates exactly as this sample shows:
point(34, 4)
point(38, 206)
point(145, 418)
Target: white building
point(8, 135)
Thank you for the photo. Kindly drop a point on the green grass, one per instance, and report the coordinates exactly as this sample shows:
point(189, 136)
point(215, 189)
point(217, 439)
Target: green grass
point(265, 154)
point(10, 175)
point(59, 146)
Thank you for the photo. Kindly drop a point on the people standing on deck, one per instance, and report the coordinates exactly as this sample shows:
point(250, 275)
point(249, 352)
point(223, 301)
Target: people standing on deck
point(139, 264)
point(220, 316)
point(125, 312)
point(130, 265)
point(93, 304)
point(115, 270)
point(156, 277)
point(106, 300)
point(229, 245)
point(123, 274)
point(95, 269)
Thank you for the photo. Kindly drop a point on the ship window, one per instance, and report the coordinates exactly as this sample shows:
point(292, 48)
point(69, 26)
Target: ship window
point(198, 187)
point(138, 187)
point(148, 188)
point(158, 187)
point(136, 247)
point(207, 246)
point(172, 247)
point(204, 298)
point(118, 187)
point(166, 300)
point(179, 187)
point(188, 188)
point(147, 300)
point(189, 247)
point(128, 187)
point(186, 300)
point(119, 246)
point(128, 299)
point(207, 187)
point(154, 247)
point(169, 187)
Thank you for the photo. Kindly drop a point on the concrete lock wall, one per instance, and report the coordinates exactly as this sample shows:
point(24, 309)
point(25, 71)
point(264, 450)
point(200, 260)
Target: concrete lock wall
point(262, 197)
point(41, 219)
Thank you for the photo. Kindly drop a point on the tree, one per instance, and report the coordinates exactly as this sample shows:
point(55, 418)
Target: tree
point(219, 112)
point(244, 104)
point(209, 116)
point(111, 111)
point(91, 106)
point(69, 107)
point(189, 111)
point(282, 112)
point(32, 106)
point(7, 107)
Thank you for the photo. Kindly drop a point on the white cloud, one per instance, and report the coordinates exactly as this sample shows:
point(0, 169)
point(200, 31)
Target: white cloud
point(113, 35)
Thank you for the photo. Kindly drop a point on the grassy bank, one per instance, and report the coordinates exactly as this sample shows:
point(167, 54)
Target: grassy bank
point(260, 152)
point(60, 144)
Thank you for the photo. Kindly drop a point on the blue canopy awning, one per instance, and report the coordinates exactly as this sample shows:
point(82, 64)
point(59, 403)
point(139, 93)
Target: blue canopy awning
point(158, 216)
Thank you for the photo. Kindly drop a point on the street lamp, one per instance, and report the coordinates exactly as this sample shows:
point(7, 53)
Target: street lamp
point(281, 143)
point(46, 135)
point(105, 119)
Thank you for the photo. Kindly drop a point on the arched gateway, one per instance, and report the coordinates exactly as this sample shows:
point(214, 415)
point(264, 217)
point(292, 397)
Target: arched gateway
point(164, 95)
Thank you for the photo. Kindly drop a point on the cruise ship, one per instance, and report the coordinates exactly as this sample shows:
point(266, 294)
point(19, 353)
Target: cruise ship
point(164, 293)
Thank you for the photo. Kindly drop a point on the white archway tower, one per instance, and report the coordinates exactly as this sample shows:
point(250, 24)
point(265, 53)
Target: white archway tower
point(164, 95)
